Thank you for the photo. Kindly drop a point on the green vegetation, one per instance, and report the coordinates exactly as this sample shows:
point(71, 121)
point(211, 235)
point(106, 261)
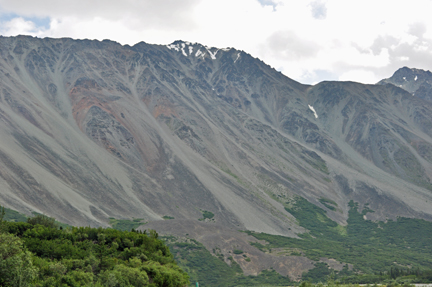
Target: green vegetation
point(315, 161)
point(166, 217)
point(206, 215)
point(318, 273)
point(16, 266)
point(37, 253)
point(330, 204)
point(43, 220)
point(126, 224)
point(14, 216)
point(370, 246)
point(213, 271)
point(331, 283)
point(201, 266)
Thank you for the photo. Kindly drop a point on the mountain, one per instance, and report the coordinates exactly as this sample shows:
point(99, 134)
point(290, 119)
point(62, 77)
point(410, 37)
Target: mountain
point(213, 139)
point(416, 81)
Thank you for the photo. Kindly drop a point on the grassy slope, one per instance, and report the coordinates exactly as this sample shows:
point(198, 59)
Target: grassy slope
point(209, 270)
point(370, 246)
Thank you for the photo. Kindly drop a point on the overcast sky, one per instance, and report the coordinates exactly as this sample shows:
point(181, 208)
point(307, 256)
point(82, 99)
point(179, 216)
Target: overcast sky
point(309, 41)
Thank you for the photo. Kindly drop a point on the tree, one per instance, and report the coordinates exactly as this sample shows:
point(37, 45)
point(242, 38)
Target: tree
point(16, 267)
point(2, 214)
point(42, 220)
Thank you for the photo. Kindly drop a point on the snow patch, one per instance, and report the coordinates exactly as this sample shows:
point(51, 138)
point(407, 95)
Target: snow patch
point(198, 53)
point(212, 55)
point(175, 47)
point(415, 79)
point(187, 49)
point(238, 56)
point(313, 110)
point(182, 49)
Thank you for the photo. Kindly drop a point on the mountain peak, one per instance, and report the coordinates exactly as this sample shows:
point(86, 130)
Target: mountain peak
point(416, 81)
point(195, 49)
point(406, 74)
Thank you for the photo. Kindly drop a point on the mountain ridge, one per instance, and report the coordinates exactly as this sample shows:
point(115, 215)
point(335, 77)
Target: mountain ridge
point(203, 144)
point(416, 81)
point(223, 120)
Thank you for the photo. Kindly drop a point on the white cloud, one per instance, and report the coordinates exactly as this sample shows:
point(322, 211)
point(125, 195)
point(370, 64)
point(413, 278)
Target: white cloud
point(135, 14)
point(287, 45)
point(19, 26)
point(362, 76)
point(307, 40)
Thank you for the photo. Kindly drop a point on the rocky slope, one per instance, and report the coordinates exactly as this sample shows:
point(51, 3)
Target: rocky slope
point(92, 130)
point(416, 81)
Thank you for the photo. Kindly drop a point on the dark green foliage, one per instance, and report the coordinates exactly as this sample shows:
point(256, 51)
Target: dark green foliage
point(313, 218)
point(330, 204)
point(369, 246)
point(15, 216)
point(2, 215)
point(265, 278)
point(16, 266)
point(201, 266)
point(207, 214)
point(237, 251)
point(87, 256)
point(318, 273)
point(42, 220)
point(212, 271)
point(166, 217)
point(126, 224)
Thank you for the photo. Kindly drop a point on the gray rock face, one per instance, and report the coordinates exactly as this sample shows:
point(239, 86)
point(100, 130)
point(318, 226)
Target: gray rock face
point(91, 130)
point(416, 81)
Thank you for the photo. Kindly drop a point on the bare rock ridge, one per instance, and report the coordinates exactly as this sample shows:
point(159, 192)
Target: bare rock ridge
point(416, 81)
point(93, 129)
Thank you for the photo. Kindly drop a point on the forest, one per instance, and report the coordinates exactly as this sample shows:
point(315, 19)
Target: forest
point(41, 253)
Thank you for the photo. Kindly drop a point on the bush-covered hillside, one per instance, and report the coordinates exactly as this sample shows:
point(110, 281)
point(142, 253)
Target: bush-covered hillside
point(377, 251)
point(38, 253)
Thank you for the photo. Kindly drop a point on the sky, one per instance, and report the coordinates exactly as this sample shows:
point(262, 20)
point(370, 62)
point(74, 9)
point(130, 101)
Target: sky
point(308, 41)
